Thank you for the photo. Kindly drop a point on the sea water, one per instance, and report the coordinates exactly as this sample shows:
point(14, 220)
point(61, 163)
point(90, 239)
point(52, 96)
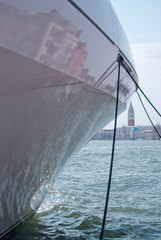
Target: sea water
point(74, 207)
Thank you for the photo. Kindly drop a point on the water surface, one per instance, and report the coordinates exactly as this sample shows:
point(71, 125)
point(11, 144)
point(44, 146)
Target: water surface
point(74, 207)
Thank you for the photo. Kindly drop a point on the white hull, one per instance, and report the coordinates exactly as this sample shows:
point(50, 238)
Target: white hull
point(47, 115)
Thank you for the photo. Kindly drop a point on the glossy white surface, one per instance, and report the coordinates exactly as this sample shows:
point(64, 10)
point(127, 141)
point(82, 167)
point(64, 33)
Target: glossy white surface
point(58, 79)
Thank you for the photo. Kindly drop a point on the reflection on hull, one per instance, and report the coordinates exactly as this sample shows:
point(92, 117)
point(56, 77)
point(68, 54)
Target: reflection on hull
point(58, 89)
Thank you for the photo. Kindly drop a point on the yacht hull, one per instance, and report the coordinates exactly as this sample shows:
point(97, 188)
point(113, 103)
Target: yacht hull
point(52, 103)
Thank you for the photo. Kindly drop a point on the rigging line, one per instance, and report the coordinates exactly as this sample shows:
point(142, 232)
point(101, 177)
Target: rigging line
point(91, 91)
point(148, 115)
point(100, 78)
point(112, 156)
point(98, 84)
point(141, 90)
point(60, 85)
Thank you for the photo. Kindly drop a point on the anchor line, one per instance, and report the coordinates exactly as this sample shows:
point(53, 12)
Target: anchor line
point(120, 62)
point(112, 155)
point(148, 115)
point(105, 75)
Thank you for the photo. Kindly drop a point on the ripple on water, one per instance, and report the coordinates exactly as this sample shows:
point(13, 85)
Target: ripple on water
point(74, 208)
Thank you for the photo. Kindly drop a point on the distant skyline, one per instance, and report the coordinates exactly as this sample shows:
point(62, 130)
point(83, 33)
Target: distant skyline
point(141, 20)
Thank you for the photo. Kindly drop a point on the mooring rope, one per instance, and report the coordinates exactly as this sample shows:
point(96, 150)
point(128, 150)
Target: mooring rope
point(104, 76)
point(138, 87)
point(120, 62)
point(148, 115)
point(112, 156)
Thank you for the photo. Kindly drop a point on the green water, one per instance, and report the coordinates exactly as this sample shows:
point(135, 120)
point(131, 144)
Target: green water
point(74, 208)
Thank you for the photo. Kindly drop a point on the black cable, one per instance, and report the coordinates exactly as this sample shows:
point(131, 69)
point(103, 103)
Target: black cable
point(148, 115)
point(149, 102)
point(120, 60)
point(91, 91)
point(142, 101)
point(112, 157)
point(104, 76)
point(98, 84)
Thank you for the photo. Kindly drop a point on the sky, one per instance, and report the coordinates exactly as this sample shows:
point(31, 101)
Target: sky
point(141, 21)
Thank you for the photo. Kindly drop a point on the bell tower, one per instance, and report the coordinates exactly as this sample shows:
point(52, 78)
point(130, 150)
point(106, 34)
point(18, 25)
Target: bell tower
point(131, 116)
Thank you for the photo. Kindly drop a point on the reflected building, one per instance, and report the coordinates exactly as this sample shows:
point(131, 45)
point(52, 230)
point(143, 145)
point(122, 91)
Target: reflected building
point(19, 37)
point(56, 42)
point(59, 43)
point(51, 39)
